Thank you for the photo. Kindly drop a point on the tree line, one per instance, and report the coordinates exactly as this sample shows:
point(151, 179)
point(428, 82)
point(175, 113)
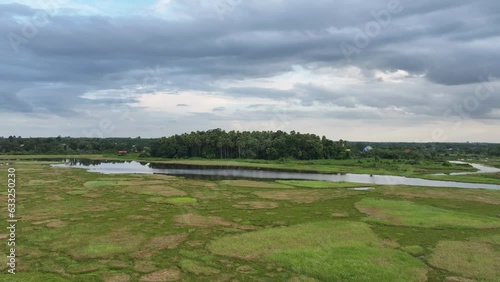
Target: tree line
point(220, 144)
point(267, 145)
point(68, 145)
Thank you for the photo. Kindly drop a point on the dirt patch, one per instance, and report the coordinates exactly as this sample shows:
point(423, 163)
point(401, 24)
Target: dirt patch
point(164, 275)
point(117, 278)
point(56, 224)
point(256, 205)
point(53, 198)
point(156, 244)
point(340, 214)
point(165, 191)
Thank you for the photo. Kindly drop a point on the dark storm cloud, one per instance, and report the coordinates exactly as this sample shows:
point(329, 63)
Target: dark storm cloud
point(451, 43)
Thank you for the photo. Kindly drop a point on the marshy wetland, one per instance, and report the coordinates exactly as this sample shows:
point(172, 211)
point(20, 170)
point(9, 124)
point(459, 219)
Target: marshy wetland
point(76, 225)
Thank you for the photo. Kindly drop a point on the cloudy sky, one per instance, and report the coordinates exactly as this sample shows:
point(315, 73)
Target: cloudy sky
point(381, 70)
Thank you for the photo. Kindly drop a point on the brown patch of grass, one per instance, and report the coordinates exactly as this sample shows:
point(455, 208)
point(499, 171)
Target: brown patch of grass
point(376, 212)
point(144, 266)
point(159, 243)
point(245, 269)
point(162, 177)
point(194, 243)
point(300, 196)
point(340, 214)
point(196, 220)
point(481, 196)
point(165, 191)
point(117, 264)
point(92, 195)
point(82, 269)
point(41, 222)
point(256, 205)
point(470, 259)
point(139, 217)
point(120, 277)
point(170, 274)
point(118, 241)
point(56, 224)
point(35, 182)
point(457, 279)
point(53, 198)
point(198, 268)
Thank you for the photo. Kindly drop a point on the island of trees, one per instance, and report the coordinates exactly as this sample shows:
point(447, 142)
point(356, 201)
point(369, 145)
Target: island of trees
point(267, 145)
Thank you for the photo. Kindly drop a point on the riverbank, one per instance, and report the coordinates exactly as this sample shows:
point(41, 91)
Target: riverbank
point(407, 168)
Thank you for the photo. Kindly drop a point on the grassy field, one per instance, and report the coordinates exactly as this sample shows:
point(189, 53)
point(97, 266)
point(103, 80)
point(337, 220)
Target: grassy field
point(80, 226)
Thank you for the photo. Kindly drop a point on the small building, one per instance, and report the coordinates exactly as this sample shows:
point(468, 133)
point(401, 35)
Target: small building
point(367, 148)
point(122, 152)
point(408, 151)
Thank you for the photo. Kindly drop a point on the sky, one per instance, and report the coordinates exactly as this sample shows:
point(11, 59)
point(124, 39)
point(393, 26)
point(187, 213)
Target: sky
point(381, 70)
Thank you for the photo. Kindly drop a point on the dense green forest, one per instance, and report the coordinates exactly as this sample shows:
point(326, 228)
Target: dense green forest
point(266, 145)
point(270, 145)
point(220, 144)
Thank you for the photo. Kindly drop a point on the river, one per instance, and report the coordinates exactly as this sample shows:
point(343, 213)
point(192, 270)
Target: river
point(225, 172)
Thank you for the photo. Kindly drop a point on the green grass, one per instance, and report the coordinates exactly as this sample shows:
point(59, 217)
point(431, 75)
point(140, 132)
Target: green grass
point(253, 184)
point(174, 201)
point(102, 183)
point(327, 234)
point(492, 239)
point(406, 213)
point(470, 259)
point(320, 184)
point(197, 268)
point(353, 264)
point(487, 178)
point(329, 251)
point(414, 250)
point(81, 226)
point(32, 277)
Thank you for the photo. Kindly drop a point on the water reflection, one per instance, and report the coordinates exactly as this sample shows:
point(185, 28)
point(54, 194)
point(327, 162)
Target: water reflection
point(230, 172)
